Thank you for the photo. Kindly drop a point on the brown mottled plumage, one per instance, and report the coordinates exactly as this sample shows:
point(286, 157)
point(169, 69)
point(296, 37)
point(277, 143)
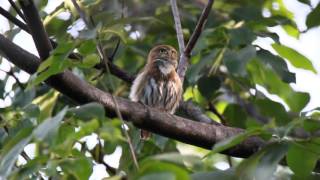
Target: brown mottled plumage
point(158, 85)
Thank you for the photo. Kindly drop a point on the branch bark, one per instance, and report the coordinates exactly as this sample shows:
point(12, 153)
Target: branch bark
point(185, 53)
point(37, 30)
point(182, 129)
point(13, 19)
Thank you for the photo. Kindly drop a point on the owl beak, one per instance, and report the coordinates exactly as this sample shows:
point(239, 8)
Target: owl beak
point(160, 62)
point(163, 62)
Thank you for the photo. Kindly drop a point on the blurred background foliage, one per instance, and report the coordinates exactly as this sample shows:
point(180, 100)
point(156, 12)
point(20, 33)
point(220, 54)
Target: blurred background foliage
point(63, 140)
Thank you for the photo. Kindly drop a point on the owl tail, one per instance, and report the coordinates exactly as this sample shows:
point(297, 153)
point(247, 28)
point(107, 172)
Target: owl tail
point(145, 135)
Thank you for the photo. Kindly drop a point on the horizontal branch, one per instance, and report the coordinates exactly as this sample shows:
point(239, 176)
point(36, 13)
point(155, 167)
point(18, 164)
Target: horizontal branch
point(175, 127)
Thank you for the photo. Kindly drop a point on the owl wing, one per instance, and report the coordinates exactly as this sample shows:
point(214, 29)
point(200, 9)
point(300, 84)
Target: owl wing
point(174, 94)
point(137, 87)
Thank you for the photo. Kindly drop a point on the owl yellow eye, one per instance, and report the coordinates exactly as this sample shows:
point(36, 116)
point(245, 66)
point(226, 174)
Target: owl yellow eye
point(162, 51)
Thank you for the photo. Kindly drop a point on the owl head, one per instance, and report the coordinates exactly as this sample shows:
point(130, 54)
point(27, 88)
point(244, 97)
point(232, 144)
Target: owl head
point(163, 57)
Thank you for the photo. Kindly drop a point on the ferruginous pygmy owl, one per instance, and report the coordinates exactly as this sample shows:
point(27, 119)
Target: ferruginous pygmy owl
point(158, 85)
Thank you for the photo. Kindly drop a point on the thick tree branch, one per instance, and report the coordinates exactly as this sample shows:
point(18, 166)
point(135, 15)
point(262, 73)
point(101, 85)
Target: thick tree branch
point(182, 129)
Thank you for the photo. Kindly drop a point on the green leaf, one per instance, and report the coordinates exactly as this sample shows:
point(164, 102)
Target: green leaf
point(197, 70)
point(11, 151)
point(302, 159)
point(223, 175)
point(235, 116)
point(46, 104)
point(237, 61)
point(79, 167)
point(294, 57)
point(90, 61)
point(153, 168)
point(307, 2)
point(179, 159)
point(87, 47)
point(55, 64)
point(264, 76)
point(23, 97)
point(88, 111)
point(313, 17)
point(263, 164)
point(49, 126)
point(34, 165)
point(278, 65)
point(241, 36)
point(234, 140)
point(273, 110)
point(208, 86)
point(291, 30)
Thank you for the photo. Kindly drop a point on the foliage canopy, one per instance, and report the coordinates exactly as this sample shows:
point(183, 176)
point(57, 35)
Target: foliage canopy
point(226, 68)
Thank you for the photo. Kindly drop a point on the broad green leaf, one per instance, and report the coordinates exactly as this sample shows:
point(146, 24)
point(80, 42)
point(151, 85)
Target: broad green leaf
point(222, 175)
point(49, 126)
point(153, 168)
point(11, 151)
point(55, 64)
point(241, 36)
point(313, 17)
point(234, 140)
point(179, 159)
point(278, 8)
point(208, 86)
point(88, 111)
point(196, 71)
point(264, 76)
point(79, 167)
point(302, 158)
point(236, 61)
point(159, 176)
point(28, 170)
point(46, 104)
point(278, 65)
point(263, 164)
point(307, 2)
point(291, 30)
point(235, 115)
point(23, 97)
point(57, 27)
point(87, 47)
point(90, 61)
point(31, 111)
point(273, 110)
point(294, 57)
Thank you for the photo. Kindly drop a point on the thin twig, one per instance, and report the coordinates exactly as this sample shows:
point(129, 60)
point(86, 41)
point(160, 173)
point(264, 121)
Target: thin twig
point(111, 57)
point(135, 161)
point(199, 27)
point(186, 53)
point(178, 27)
point(224, 122)
point(105, 60)
point(111, 170)
point(15, 7)
point(215, 111)
point(81, 13)
point(13, 19)
point(10, 73)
